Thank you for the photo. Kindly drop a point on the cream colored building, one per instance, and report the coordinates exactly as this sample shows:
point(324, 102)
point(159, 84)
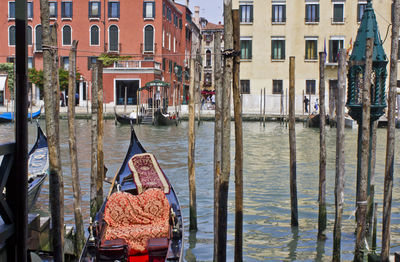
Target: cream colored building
point(273, 30)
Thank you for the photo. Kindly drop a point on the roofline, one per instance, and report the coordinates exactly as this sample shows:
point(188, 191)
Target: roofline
point(186, 7)
point(174, 5)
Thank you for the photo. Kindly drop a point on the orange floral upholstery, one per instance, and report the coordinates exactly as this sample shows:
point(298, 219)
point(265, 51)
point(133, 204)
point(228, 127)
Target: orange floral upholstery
point(137, 218)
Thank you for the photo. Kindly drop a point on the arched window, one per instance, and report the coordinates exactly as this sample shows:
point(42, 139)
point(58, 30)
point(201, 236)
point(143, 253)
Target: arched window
point(94, 35)
point(113, 38)
point(67, 35)
point(29, 35)
point(11, 35)
point(208, 58)
point(38, 38)
point(148, 38)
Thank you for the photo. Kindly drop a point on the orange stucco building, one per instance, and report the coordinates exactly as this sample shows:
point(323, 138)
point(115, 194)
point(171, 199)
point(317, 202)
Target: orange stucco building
point(156, 34)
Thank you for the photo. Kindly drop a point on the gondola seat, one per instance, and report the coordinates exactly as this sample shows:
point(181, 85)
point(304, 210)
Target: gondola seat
point(137, 218)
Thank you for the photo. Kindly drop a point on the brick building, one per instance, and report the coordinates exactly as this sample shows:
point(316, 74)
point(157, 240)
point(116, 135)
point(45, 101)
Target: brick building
point(154, 33)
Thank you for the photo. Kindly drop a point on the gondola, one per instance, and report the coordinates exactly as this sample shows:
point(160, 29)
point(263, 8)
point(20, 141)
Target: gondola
point(126, 120)
point(38, 166)
point(8, 117)
point(154, 232)
point(161, 119)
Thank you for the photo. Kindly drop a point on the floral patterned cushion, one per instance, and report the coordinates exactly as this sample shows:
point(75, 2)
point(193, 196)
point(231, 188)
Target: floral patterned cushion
point(136, 219)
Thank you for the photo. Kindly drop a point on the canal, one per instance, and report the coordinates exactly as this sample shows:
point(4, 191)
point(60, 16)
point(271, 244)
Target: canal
point(267, 232)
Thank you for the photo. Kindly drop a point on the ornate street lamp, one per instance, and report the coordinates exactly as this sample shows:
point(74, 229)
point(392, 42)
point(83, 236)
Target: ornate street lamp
point(367, 29)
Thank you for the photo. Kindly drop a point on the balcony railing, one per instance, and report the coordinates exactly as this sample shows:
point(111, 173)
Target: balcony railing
point(137, 64)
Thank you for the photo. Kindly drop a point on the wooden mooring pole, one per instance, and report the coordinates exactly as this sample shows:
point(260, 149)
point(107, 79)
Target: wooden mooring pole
point(125, 98)
point(226, 135)
point(322, 150)
point(217, 134)
point(73, 152)
point(17, 184)
point(264, 109)
point(93, 170)
point(292, 144)
point(238, 141)
point(339, 178)
point(191, 155)
point(365, 136)
point(261, 104)
point(100, 135)
point(389, 165)
point(50, 88)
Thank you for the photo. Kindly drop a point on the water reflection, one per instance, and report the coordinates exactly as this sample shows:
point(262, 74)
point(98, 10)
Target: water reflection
point(268, 235)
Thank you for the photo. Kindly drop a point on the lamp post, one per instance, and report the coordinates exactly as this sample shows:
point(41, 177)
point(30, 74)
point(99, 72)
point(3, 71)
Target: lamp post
point(358, 76)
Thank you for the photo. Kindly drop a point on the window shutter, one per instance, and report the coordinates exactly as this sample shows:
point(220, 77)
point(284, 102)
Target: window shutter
point(251, 13)
point(272, 49)
point(89, 10)
point(72, 9)
point(144, 9)
point(118, 9)
point(154, 9)
point(240, 13)
point(317, 13)
point(273, 13)
point(109, 9)
point(283, 49)
point(250, 49)
point(330, 51)
point(284, 13)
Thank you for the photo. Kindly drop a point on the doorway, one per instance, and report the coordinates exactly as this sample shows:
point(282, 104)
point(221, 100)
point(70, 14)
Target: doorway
point(130, 87)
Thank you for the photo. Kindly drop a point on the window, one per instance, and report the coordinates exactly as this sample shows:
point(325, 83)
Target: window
point(94, 35)
point(113, 38)
point(277, 87)
point(66, 9)
point(113, 9)
point(312, 13)
point(168, 14)
point(180, 23)
point(53, 9)
point(246, 49)
point(163, 38)
point(30, 9)
point(11, 35)
point(149, 38)
point(175, 20)
point(278, 49)
point(164, 63)
point(174, 44)
point(311, 49)
point(29, 35)
point(91, 61)
point(360, 11)
point(163, 10)
point(246, 13)
point(30, 62)
point(65, 62)
point(278, 13)
point(149, 9)
point(245, 86)
point(310, 87)
point(338, 13)
point(208, 58)
point(94, 9)
point(11, 59)
point(334, 46)
point(169, 41)
point(208, 79)
point(66, 35)
point(11, 10)
point(38, 38)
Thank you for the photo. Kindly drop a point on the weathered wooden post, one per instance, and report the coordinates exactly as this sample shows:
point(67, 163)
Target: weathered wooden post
point(319, 82)
point(100, 135)
point(365, 125)
point(94, 152)
point(322, 150)
point(238, 140)
point(261, 99)
point(191, 155)
point(389, 165)
point(309, 103)
point(264, 109)
point(50, 89)
point(292, 144)
point(226, 131)
point(339, 178)
point(125, 98)
point(286, 108)
point(217, 134)
point(17, 184)
point(137, 106)
point(76, 188)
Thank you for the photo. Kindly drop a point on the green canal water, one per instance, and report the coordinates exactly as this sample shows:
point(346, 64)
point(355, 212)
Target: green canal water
point(267, 232)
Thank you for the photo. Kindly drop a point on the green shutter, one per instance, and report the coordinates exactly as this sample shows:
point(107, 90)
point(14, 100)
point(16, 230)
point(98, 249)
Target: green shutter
point(154, 9)
point(240, 13)
point(331, 51)
point(317, 13)
point(273, 13)
point(251, 13)
point(283, 49)
point(284, 13)
point(250, 52)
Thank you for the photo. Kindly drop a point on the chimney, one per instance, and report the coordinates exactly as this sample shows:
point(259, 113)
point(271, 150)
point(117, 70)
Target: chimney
point(219, 22)
point(187, 3)
point(197, 9)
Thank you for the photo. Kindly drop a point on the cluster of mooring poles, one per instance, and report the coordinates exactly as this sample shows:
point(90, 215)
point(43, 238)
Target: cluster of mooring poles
point(366, 101)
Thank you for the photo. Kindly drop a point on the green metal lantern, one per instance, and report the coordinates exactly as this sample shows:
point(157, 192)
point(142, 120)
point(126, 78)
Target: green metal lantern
point(367, 29)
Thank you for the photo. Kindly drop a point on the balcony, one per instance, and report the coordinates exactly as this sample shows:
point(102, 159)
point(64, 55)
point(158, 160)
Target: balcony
point(137, 64)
